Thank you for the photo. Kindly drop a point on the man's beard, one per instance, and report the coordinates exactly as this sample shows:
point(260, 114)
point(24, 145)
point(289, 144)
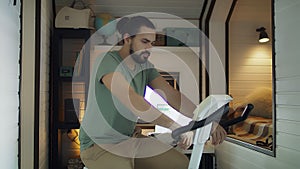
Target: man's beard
point(139, 58)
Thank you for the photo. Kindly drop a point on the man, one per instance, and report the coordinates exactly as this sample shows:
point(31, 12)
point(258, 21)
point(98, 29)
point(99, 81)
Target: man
point(116, 101)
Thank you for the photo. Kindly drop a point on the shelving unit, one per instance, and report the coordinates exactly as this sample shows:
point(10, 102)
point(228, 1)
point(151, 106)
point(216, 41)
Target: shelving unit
point(68, 89)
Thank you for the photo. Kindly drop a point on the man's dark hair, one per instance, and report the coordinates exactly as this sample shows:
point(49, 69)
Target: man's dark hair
point(133, 24)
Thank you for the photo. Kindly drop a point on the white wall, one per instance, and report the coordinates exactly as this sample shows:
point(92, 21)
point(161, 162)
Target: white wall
point(9, 86)
point(232, 156)
point(46, 28)
point(183, 60)
point(217, 55)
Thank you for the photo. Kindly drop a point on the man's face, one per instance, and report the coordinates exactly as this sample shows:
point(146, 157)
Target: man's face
point(141, 43)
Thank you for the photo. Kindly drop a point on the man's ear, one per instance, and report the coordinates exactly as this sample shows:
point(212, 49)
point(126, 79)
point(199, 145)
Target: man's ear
point(126, 38)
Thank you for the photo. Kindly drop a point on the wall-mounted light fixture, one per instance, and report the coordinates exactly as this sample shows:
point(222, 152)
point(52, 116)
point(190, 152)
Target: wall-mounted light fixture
point(263, 36)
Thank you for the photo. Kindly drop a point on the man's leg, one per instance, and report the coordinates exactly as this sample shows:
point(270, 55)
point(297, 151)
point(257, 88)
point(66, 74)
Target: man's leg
point(97, 158)
point(147, 152)
point(160, 156)
point(172, 159)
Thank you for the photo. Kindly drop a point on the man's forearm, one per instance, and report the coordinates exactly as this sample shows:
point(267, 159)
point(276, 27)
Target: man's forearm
point(182, 104)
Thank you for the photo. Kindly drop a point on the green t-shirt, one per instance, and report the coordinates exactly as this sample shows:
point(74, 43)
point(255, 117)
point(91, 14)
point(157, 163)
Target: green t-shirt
point(106, 120)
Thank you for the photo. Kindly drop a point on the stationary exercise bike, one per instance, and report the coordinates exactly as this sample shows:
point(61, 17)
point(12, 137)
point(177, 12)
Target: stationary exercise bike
point(213, 108)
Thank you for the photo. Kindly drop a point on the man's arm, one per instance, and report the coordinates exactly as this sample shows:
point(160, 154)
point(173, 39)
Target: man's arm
point(185, 106)
point(174, 98)
point(119, 87)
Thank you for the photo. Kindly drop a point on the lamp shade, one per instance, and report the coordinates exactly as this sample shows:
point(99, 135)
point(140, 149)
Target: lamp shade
point(263, 36)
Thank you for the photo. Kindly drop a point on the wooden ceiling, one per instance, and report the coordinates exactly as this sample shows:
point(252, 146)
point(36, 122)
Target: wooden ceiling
point(252, 10)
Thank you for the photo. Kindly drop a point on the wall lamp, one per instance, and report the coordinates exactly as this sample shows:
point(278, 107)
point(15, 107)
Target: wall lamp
point(263, 36)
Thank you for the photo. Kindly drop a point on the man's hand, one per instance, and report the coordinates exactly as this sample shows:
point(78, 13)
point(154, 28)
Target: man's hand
point(137, 132)
point(218, 134)
point(186, 140)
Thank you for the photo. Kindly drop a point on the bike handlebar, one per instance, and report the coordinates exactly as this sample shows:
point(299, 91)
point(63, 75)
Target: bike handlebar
point(216, 116)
